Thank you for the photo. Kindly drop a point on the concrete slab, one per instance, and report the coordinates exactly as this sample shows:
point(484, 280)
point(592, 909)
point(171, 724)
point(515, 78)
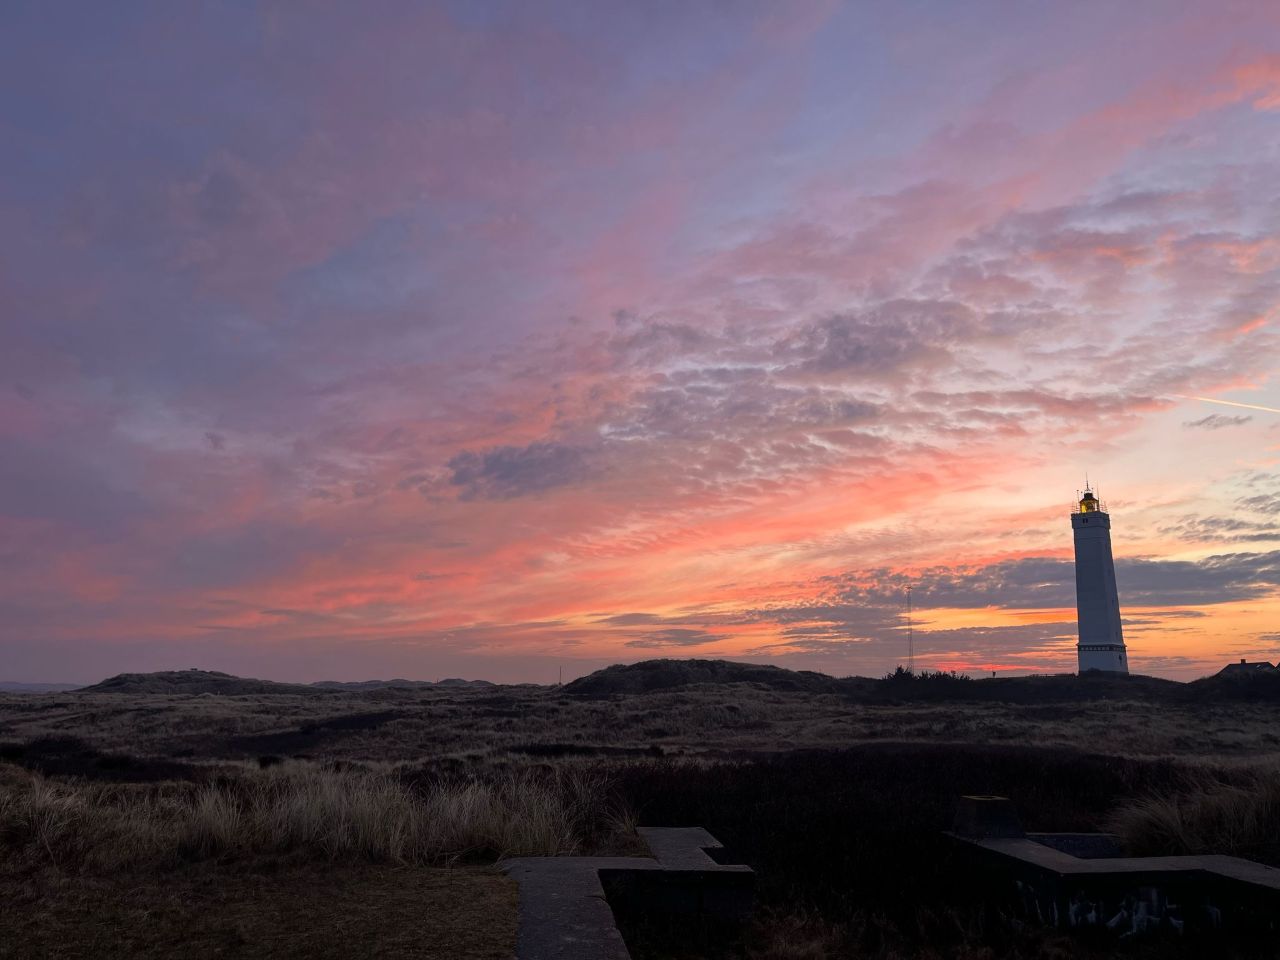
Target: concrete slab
point(685, 848)
point(1036, 854)
point(564, 914)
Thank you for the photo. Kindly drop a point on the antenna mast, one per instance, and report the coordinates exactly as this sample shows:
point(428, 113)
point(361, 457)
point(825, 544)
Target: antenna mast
point(911, 640)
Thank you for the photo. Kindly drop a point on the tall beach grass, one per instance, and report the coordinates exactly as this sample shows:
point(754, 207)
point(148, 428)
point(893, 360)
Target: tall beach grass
point(1239, 816)
point(306, 810)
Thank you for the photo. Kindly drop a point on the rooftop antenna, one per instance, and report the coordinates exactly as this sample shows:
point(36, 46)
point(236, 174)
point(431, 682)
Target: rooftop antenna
point(560, 682)
point(911, 640)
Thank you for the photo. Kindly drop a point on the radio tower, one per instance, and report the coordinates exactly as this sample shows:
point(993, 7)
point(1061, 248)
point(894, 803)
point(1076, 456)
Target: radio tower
point(911, 640)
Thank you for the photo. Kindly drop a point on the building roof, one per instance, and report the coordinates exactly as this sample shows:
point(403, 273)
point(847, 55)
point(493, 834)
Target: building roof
point(1245, 666)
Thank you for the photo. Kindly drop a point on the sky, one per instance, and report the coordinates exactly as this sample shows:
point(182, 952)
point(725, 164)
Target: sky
point(506, 340)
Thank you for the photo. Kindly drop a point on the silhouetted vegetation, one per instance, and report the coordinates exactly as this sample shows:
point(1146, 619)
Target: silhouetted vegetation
point(849, 851)
point(860, 827)
point(901, 674)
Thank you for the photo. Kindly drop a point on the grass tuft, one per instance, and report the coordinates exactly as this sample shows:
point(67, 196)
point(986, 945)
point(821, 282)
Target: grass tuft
point(1209, 815)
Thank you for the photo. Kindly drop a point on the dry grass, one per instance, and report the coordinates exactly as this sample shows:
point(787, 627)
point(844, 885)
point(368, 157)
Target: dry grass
point(1239, 816)
point(802, 935)
point(485, 726)
point(301, 809)
point(286, 913)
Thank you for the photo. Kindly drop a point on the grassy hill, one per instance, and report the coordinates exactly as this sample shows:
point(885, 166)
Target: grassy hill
point(195, 682)
point(650, 676)
point(655, 676)
point(1223, 686)
point(226, 684)
point(663, 675)
point(398, 684)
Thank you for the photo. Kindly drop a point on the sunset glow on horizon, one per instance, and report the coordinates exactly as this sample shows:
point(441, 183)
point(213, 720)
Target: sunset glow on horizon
point(343, 341)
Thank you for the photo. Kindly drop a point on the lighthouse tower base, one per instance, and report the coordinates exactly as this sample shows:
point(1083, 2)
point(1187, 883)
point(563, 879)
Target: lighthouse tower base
point(1104, 657)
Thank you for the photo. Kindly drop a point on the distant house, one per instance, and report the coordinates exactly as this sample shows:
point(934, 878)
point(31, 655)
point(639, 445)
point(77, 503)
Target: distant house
point(1246, 669)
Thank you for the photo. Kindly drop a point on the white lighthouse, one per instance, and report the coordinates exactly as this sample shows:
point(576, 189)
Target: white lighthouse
point(1101, 645)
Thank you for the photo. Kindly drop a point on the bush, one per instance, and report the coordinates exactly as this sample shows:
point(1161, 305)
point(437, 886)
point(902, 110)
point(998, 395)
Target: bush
point(902, 675)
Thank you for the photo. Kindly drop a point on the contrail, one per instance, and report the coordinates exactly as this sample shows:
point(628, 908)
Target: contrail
point(1229, 403)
